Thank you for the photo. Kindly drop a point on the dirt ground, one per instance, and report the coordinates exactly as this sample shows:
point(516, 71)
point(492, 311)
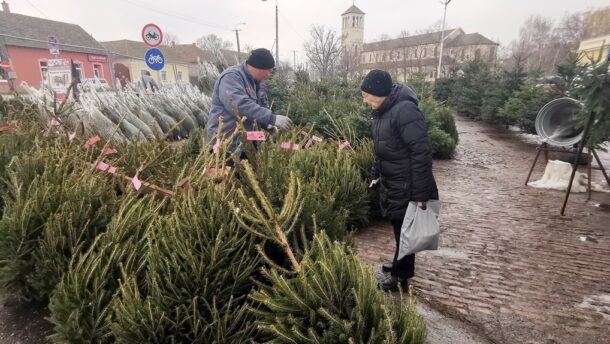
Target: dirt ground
point(510, 265)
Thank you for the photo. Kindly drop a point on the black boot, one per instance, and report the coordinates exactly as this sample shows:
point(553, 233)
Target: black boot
point(391, 283)
point(386, 267)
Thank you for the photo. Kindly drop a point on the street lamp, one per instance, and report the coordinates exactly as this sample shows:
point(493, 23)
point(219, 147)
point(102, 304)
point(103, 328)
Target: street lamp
point(237, 37)
point(440, 57)
point(277, 37)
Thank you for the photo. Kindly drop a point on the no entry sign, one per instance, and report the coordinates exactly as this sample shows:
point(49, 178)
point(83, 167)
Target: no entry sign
point(152, 35)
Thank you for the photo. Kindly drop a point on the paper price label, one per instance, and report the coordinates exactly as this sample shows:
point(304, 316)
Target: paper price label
point(255, 136)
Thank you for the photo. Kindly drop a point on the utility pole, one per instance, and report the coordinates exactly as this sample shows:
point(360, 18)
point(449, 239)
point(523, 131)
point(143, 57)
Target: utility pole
point(237, 37)
point(294, 59)
point(277, 36)
point(440, 57)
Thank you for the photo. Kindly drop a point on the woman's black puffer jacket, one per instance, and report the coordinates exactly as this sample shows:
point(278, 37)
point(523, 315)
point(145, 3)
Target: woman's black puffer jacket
point(403, 153)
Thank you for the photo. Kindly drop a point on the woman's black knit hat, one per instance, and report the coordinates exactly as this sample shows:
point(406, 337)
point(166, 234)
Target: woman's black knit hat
point(378, 83)
point(261, 58)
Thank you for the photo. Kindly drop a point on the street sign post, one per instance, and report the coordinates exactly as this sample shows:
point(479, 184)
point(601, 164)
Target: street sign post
point(53, 43)
point(152, 35)
point(154, 59)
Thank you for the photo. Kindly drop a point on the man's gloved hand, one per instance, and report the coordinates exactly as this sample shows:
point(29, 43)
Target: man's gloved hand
point(282, 122)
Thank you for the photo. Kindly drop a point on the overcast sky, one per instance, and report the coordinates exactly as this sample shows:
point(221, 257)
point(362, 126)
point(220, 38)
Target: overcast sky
point(498, 20)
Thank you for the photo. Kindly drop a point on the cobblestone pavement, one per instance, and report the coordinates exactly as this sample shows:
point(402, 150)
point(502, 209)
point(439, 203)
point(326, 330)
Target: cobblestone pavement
point(510, 264)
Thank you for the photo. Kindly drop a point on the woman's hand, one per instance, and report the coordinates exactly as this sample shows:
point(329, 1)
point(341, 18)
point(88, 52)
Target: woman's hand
point(373, 183)
point(422, 205)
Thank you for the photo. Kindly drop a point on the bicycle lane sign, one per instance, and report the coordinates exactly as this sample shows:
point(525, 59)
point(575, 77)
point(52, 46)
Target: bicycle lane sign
point(154, 59)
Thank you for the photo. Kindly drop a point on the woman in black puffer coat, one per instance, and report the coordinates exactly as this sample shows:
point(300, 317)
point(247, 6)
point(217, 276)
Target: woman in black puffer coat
point(403, 161)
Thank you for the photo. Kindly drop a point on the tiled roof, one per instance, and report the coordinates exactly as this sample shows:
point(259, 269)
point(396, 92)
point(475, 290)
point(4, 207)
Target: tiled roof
point(458, 39)
point(179, 53)
point(470, 39)
point(410, 41)
point(353, 9)
point(25, 31)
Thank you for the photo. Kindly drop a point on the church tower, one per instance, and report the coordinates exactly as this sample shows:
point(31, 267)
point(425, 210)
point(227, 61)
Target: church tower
point(352, 31)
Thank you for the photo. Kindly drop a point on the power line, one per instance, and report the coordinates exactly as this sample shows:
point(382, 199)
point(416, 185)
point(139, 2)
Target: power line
point(37, 9)
point(175, 14)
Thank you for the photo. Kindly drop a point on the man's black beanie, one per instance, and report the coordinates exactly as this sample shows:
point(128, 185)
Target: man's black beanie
point(378, 83)
point(261, 58)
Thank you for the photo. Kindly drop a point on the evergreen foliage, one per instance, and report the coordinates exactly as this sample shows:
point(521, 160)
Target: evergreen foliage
point(199, 269)
point(593, 88)
point(333, 299)
point(82, 305)
point(54, 208)
point(469, 88)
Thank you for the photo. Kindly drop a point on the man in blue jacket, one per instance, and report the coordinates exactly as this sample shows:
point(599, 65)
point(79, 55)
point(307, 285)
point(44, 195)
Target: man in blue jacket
point(239, 88)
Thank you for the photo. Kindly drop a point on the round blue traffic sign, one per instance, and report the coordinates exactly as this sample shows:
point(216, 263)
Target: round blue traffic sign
point(154, 59)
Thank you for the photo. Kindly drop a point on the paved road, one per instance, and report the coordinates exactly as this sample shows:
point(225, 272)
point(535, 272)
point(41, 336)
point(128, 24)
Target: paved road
point(510, 265)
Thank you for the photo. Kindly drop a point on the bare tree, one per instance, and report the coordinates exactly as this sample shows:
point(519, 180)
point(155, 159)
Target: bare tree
point(247, 48)
point(323, 50)
point(596, 23)
point(542, 45)
point(383, 37)
point(213, 43)
point(170, 39)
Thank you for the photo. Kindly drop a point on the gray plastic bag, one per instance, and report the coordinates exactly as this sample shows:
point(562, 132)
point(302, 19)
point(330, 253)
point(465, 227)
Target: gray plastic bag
point(420, 229)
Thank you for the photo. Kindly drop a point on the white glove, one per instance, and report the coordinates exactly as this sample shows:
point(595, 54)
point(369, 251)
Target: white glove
point(374, 182)
point(283, 122)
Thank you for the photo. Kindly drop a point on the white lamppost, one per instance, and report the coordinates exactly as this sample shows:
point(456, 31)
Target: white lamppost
point(277, 36)
point(440, 57)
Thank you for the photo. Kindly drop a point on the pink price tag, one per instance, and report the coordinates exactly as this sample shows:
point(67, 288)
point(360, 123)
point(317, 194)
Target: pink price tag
point(102, 166)
point(296, 146)
point(60, 96)
point(216, 146)
point(255, 136)
point(286, 145)
point(316, 138)
point(7, 128)
point(309, 142)
point(95, 139)
point(53, 122)
point(136, 183)
point(112, 170)
point(344, 145)
point(71, 136)
point(109, 151)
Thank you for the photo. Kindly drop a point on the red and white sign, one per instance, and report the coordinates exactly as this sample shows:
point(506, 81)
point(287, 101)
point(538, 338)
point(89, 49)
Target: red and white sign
point(152, 35)
point(96, 58)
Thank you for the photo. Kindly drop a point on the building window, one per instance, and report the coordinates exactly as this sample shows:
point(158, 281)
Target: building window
point(425, 52)
point(163, 76)
point(79, 71)
point(179, 75)
point(477, 54)
point(97, 70)
point(44, 72)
